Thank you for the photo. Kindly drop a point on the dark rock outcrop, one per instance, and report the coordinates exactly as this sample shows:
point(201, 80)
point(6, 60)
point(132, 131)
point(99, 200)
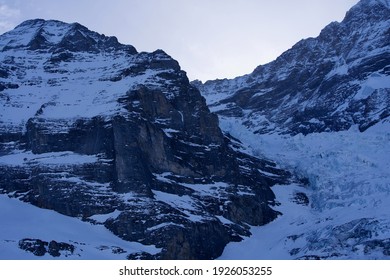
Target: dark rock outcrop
point(40, 248)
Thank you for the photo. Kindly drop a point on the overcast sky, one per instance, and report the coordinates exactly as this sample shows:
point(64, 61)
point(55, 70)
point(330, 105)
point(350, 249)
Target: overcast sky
point(210, 38)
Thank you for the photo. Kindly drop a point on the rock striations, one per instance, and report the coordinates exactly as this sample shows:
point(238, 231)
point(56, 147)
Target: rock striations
point(328, 83)
point(93, 129)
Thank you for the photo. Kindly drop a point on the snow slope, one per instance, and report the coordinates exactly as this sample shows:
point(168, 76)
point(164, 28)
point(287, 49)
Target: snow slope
point(348, 189)
point(19, 220)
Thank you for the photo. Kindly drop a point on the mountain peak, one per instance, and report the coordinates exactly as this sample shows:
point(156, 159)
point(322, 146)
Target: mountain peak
point(48, 34)
point(373, 9)
point(375, 2)
point(370, 4)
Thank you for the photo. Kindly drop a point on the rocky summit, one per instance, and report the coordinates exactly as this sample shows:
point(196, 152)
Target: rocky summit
point(95, 130)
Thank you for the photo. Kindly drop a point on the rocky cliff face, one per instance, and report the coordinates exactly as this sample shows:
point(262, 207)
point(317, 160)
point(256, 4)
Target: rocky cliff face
point(328, 83)
point(93, 129)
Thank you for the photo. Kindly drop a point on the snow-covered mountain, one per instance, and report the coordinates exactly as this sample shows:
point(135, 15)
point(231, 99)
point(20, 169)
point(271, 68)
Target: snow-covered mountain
point(108, 153)
point(95, 130)
point(328, 83)
point(320, 110)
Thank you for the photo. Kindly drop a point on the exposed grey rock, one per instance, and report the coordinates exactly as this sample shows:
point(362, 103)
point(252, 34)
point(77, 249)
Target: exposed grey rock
point(40, 248)
point(35, 246)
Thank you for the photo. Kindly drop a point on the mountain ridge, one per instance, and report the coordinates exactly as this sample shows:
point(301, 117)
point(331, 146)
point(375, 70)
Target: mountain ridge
point(40, 34)
point(325, 68)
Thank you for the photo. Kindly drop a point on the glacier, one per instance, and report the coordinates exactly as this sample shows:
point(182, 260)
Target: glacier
point(348, 189)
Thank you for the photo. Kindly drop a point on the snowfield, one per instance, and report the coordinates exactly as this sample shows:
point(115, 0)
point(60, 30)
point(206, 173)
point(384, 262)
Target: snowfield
point(348, 188)
point(20, 220)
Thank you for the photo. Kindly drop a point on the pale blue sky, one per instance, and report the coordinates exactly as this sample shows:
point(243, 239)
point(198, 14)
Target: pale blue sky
point(210, 38)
